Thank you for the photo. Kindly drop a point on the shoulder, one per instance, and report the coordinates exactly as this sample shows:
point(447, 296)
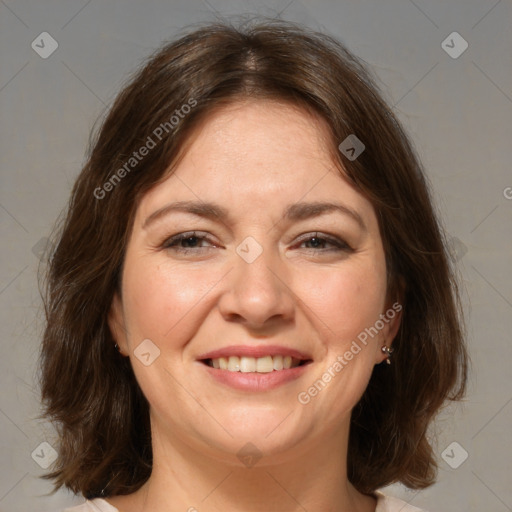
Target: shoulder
point(97, 505)
point(391, 504)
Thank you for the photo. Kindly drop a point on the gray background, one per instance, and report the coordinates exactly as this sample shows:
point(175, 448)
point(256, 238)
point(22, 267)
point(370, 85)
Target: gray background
point(458, 111)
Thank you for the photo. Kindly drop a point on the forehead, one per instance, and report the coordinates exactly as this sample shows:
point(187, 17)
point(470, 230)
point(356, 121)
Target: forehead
point(264, 118)
point(252, 131)
point(256, 151)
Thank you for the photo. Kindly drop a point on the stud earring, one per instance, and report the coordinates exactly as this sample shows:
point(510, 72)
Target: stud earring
point(388, 351)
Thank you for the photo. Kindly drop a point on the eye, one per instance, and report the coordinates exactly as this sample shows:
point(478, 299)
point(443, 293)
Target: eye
point(190, 241)
point(194, 242)
point(324, 243)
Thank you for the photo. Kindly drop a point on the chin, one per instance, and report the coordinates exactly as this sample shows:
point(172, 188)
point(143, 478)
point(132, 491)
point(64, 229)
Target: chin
point(270, 438)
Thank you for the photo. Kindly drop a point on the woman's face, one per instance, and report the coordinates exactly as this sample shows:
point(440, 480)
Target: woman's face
point(264, 273)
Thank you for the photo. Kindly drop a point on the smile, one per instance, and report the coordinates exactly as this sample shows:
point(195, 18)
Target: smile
point(255, 367)
point(265, 364)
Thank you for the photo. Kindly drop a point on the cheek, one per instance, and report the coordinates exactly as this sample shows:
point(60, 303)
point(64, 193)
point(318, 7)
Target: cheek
point(164, 304)
point(160, 299)
point(344, 300)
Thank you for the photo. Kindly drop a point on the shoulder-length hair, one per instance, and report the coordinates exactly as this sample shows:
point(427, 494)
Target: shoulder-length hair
point(89, 391)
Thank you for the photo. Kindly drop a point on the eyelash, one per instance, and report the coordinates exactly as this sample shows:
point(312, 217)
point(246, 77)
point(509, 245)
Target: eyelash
point(338, 245)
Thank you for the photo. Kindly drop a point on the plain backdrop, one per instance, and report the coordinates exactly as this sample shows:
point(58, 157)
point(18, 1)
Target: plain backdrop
point(457, 108)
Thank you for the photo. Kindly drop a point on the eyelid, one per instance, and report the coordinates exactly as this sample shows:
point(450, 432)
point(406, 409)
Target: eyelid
point(178, 237)
point(338, 244)
point(334, 240)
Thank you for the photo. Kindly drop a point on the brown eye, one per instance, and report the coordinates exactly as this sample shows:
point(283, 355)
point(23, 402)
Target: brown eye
point(185, 242)
point(325, 243)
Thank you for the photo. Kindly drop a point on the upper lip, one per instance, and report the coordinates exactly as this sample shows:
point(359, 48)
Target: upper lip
point(254, 351)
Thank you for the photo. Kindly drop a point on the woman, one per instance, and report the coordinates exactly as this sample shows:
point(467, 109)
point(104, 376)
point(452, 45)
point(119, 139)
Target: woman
point(250, 304)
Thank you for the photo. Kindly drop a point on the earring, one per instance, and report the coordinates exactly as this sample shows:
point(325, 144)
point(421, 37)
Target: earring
point(117, 347)
point(388, 351)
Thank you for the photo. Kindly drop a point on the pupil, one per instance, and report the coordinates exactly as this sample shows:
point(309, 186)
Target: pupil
point(193, 238)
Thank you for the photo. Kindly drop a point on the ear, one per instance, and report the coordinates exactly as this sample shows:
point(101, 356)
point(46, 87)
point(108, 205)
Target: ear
point(392, 318)
point(116, 324)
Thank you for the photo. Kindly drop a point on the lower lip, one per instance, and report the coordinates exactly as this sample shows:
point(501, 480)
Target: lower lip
point(256, 381)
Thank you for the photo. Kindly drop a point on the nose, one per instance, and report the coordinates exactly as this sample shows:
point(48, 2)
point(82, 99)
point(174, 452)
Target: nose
point(257, 293)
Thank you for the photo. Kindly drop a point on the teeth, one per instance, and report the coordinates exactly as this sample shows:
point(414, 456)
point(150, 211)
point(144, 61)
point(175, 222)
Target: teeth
point(234, 364)
point(278, 362)
point(247, 364)
point(265, 364)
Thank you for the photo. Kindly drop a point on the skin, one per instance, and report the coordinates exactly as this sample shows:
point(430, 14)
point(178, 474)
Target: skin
point(254, 158)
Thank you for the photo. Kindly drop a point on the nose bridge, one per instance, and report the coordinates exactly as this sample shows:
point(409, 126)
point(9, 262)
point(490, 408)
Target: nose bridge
point(254, 268)
point(258, 269)
point(257, 290)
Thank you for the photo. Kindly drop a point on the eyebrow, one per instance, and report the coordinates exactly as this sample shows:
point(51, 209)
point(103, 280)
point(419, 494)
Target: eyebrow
point(293, 212)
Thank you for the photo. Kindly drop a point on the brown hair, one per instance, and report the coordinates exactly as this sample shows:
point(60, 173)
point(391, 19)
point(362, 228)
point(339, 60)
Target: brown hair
point(90, 392)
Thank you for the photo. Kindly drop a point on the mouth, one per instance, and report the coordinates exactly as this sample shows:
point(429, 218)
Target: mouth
point(246, 364)
point(255, 368)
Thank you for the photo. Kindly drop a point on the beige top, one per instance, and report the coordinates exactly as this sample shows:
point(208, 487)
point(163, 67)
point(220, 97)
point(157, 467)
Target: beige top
point(384, 504)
